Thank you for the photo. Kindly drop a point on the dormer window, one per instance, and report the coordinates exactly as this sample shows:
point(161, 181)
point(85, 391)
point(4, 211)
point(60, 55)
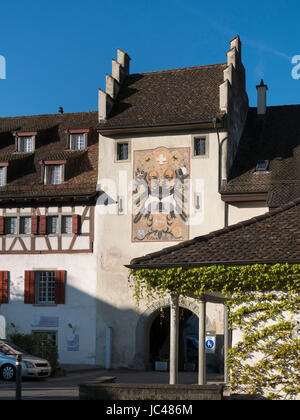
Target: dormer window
point(25, 142)
point(3, 173)
point(53, 172)
point(262, 166)
point(77, 139)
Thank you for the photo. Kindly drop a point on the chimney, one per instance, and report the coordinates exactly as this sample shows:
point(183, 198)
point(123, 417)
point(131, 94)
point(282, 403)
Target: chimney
point(261, 98)
point(60, 110)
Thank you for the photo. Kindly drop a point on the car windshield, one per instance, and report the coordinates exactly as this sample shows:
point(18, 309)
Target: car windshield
point(10, 349)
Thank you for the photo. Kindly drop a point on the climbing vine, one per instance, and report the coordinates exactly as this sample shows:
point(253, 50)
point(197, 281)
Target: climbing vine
point(263, 302)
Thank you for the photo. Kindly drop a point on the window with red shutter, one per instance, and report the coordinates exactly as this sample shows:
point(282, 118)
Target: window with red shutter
point(43, 225)
point(76, 219)
point(3, 286)
point(60, 287)
point(34, 225)
point(29, 287)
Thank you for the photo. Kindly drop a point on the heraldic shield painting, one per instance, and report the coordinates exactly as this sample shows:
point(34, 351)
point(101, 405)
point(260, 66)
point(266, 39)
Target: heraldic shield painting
point(161, 195)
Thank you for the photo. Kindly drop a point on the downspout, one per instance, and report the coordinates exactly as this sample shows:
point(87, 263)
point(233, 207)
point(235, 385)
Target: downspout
point(220, 145)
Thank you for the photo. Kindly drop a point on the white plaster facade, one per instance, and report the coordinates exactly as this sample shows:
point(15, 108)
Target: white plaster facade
point(65, 252)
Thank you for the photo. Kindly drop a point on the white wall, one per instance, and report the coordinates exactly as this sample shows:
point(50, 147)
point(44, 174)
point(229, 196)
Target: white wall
point(116, 306)
point(79, 309)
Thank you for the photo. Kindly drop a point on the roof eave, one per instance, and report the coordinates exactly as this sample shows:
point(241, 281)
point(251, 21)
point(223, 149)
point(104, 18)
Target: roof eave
point(191, 125)
point(210, 263)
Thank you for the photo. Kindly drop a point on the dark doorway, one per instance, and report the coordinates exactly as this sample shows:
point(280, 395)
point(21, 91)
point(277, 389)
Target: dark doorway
point(188, 337)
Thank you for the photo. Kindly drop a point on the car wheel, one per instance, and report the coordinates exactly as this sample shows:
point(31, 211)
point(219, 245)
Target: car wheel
point(8, 373)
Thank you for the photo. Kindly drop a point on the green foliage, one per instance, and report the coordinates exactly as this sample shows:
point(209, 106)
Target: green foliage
point(36, 345)
point(263, 300)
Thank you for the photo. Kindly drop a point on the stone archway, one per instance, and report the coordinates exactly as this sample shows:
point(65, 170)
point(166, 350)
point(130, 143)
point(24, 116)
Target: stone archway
point(142, 336)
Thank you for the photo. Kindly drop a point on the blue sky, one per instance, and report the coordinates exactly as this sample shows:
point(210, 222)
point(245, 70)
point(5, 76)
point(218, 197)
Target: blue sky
point(58, 52)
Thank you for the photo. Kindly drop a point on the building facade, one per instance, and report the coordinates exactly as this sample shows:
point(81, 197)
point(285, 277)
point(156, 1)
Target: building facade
point(169, 156)
point(47, 200)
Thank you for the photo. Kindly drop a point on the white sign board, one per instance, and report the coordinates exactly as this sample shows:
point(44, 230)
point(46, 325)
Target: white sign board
point(2, 327)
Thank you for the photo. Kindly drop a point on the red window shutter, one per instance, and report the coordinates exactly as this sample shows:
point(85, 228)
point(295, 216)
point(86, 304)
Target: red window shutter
point(29, 287)
point(1, 225)
point(34, 225)
point(60, 287)
point(43, 225)
point(76, 223)
point(3, 286)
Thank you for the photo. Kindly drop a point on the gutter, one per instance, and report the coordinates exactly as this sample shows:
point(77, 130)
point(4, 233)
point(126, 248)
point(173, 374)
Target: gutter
point(160, 127)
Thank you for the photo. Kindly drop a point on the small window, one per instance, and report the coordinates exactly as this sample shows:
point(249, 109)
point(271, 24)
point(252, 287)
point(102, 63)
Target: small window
point(262, 166)
point(11, 225)
point(2, 177)
point(78, 142)
point(52, 225)
point(53, 174)
point(48, 338)
point(25, 144)
point(45, 287)
point(66, 224)
point(25, 225)
point(200, 146)
point(122, 151)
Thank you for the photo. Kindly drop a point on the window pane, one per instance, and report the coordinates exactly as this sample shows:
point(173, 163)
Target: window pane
point(11, 225)
point(25, 144)
point(122, 151)
point(1, 177)
point(79, 143)
point(53, 174)
point(52, 224)
point(66, 224)
point(25, 225)
point(46, 286)
point(200, 146)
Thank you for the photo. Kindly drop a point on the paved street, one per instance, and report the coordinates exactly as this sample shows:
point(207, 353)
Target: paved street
point(66, 388)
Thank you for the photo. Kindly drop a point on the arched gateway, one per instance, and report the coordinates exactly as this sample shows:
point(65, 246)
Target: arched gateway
point(145, 322)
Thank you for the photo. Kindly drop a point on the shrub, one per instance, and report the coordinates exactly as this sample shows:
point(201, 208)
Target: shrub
point(36, 345)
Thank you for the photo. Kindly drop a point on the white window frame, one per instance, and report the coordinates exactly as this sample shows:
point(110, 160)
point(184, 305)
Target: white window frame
point(65, 227)
point(22, 226)
point(3, 177)
point(47, 174)
point(49, 224)
point(72, 140)
point(49, 287)
point(6, 218)
point(117, 143)
point(20, 144)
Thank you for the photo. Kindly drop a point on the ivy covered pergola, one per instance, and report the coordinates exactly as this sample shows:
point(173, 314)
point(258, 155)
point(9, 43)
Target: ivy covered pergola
point(253, 268)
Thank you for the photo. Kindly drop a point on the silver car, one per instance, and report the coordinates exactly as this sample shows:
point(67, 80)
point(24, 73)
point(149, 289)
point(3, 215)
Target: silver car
point(32, 366)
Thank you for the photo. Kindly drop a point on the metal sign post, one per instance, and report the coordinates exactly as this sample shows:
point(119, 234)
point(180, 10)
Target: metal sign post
point(19, 377)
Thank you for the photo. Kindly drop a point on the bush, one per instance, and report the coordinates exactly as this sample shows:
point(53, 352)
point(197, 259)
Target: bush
point(36, 345)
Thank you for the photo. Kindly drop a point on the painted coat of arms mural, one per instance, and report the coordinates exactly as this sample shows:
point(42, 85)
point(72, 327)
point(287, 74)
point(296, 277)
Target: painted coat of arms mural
point(161, 195)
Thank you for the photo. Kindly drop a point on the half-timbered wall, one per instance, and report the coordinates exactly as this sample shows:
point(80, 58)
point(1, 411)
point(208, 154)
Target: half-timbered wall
point(41, 241)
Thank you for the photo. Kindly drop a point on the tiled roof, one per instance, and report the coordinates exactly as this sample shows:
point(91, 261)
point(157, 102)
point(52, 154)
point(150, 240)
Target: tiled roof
point(168, 97)
point(275, 137)
point(24, 169)
point(274, 236)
